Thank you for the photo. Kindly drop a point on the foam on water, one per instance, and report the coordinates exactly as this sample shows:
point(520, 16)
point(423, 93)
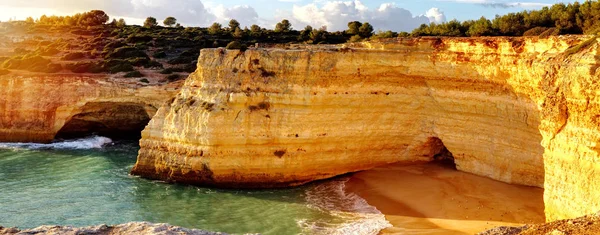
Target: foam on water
point(93, 142)
point(356, 215)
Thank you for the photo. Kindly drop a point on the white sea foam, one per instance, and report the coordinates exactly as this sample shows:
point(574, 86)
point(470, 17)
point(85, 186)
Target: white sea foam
point(94, 142)
point(354, 214)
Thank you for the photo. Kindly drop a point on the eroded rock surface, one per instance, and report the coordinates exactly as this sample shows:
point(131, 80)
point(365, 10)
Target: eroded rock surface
point(519, 110)
point(38, 108)
point(122, 229)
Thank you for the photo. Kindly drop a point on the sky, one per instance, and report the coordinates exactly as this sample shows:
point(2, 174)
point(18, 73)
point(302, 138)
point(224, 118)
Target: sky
point(396, 15)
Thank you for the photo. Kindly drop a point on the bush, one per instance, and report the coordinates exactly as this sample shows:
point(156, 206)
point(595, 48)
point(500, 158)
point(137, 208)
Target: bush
point(53, 68)
point(49, 51)
point(154, 65)
point(73, 56)
point(135, 38)
point(134, 74)
point(139, 61)
point(124, 67)
point(85, 67)
point(126, 52)
point(144, 80)
point(181, 60)
point(235, 45)
point(173, 77)
point(167, 71)
point(159, 54)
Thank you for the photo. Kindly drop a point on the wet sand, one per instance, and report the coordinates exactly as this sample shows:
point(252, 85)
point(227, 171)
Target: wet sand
point(436, 199)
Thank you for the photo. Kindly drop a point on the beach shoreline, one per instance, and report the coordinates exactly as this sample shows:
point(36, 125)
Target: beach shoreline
point(433, 198)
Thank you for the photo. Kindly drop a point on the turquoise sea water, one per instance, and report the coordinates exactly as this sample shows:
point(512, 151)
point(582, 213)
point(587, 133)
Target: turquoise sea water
point(86, 182)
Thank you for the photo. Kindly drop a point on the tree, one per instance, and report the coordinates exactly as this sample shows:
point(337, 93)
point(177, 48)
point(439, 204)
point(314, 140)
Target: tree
point(93, 18)
point(365, 30)
point(170, 21)
point(255, 31)
point(150, 22)
point(481, 27)
point(238, 33)
point(353, 27)
point(283, 27)
point(305, 34)
point(29, 20)
point(121, 23)
point(215, 28)
point(233, 25)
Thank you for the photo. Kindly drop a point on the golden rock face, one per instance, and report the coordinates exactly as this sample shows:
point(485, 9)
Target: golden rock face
point(35, 108)
point(519, 110)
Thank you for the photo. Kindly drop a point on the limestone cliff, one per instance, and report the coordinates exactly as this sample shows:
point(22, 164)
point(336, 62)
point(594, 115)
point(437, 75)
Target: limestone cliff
point(519, 110)
point(38, 108)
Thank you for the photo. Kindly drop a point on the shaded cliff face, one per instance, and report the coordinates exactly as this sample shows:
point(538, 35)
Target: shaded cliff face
point(519, 110)
point(39, 108)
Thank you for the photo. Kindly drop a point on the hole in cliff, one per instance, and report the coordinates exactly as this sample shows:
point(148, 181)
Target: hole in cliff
point(440, 153)
point(114, 120)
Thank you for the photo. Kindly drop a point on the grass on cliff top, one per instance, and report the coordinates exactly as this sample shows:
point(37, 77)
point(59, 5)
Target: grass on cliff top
point(581, 46)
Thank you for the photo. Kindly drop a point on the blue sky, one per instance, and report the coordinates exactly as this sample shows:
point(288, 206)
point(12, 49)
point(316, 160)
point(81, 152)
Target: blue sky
point(397, 15)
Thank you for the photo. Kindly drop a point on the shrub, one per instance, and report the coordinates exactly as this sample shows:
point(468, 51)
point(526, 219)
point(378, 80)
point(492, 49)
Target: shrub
point(167, 71)
point(139, 61)
point(73, 56)
point(154, 65)
point(181, 60)
point(235, 45)
point(139, 38)
point(159, 54)
point(126, 52)
point(85, 67)
point(134, 74)
point(49, 51)
point(144, 80)
point(173, 77)
point(124, 67)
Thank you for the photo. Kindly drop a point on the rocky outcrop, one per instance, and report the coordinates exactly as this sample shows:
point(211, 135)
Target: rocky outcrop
point(585, 225)
point(122, 229)
point(519, 110)
point(39, 108)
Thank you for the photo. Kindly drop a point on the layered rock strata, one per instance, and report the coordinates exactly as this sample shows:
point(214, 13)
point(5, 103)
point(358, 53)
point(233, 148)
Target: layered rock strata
point(39, 108)
point(519, 110)
point(121, 229)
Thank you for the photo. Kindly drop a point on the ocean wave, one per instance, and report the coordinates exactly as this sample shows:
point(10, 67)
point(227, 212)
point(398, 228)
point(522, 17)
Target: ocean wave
point(354, 215)
point(93, 142)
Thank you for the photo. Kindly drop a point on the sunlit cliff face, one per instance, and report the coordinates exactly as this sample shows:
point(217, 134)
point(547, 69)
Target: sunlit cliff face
point(519, 110)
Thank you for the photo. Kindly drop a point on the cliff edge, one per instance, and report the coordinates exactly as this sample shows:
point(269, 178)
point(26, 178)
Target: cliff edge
point(519, 110)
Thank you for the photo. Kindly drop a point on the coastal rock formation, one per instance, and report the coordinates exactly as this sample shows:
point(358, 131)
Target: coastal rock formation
point(122, 229)
point(585, 225)
point(519, 110)
point(38, 108)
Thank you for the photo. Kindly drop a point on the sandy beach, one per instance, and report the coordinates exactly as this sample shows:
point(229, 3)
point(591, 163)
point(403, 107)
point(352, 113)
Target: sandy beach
point(436, 199)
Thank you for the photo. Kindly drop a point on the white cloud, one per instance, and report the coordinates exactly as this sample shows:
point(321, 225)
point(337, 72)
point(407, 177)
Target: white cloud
point(336, 15)
point(435, 15)
point(245, 15)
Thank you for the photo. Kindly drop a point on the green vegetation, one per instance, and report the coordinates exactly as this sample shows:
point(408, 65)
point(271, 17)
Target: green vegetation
point(150, 22)
point(73, 56)
point(235, 45)
point(89, 44)
point(170, 21)
point(134, 74)
point(572, 18)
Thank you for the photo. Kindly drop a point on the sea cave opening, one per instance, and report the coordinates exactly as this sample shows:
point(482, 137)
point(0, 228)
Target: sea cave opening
point(122, 121)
